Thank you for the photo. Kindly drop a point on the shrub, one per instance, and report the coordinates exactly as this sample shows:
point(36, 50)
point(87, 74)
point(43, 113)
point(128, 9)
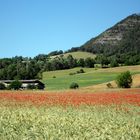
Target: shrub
point(15, 85)
point(81, 71)
point(109, 85)
point(74, 85)
point(124, 80)
point(2, 86)
point(72, 73)
point(54, 76)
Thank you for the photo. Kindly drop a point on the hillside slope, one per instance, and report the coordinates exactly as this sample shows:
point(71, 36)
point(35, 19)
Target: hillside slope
point(135, 84)
point(77, 55)
point(61, 79)
point(114, 39)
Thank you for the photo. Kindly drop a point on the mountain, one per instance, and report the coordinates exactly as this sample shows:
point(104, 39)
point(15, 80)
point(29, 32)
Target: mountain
point(124, 37)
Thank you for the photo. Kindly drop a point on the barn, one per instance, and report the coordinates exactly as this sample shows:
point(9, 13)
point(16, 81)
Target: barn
point(25, 83)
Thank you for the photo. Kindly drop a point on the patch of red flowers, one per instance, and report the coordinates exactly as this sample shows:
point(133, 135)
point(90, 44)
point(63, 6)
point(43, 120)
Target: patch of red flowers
point(73, 97)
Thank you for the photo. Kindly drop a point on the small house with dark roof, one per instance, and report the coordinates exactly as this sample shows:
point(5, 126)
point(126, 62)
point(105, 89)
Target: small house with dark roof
point(25, 83)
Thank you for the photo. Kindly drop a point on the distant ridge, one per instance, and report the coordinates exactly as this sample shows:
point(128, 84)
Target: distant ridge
point(114, 39)
point(138, 14)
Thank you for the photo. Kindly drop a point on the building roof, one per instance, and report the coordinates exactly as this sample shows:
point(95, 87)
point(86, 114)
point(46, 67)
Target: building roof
point(23, 81)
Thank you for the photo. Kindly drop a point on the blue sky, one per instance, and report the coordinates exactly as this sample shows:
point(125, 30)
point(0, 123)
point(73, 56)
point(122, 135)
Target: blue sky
point(32, 27)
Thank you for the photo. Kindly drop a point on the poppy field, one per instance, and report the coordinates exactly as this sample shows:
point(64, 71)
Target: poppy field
point(36, 115)
point(74, 98)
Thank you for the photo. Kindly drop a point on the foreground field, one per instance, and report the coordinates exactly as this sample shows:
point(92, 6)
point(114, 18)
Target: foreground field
point(92, 76)
point(83, 123)
point(35, 115)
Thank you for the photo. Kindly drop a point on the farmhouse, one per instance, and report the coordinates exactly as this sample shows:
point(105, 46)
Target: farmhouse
point(26, 83)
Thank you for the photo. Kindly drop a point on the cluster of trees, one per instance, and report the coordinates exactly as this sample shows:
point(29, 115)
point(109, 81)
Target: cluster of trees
point(60, 63)
point(32, 68)
point(19, 68)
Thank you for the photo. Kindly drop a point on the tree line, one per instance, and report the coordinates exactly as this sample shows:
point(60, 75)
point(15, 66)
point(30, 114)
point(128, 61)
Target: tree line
point(18, 67)
point(25, 68)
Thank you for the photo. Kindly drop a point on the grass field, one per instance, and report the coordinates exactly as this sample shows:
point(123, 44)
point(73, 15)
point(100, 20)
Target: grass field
point(135, 84)
point(78, 55)
point(28, 115)
point(91, 77)
point(84, 123)
point(112, 114)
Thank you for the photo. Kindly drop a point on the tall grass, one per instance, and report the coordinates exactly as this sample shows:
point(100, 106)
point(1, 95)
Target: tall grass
point(69, 123)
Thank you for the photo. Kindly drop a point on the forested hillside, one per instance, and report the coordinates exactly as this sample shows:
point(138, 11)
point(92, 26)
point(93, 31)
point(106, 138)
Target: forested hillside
point(121, 41)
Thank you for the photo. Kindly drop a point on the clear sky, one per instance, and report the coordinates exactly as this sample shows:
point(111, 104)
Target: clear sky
point(32, 27)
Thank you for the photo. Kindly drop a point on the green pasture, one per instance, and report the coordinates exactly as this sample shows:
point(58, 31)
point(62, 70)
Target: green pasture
point(92, 76)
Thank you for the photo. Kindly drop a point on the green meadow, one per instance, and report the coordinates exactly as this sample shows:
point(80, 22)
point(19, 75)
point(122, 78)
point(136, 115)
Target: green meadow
point(61, 79)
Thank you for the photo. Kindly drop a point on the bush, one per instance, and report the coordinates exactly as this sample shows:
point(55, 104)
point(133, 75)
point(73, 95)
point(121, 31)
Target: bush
point(109, 85)
point(81, 71)
point(124, 80)
point(74, 86)
point(2, 86)
point(15, 85)
point(72, 73)
point(78, 72)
